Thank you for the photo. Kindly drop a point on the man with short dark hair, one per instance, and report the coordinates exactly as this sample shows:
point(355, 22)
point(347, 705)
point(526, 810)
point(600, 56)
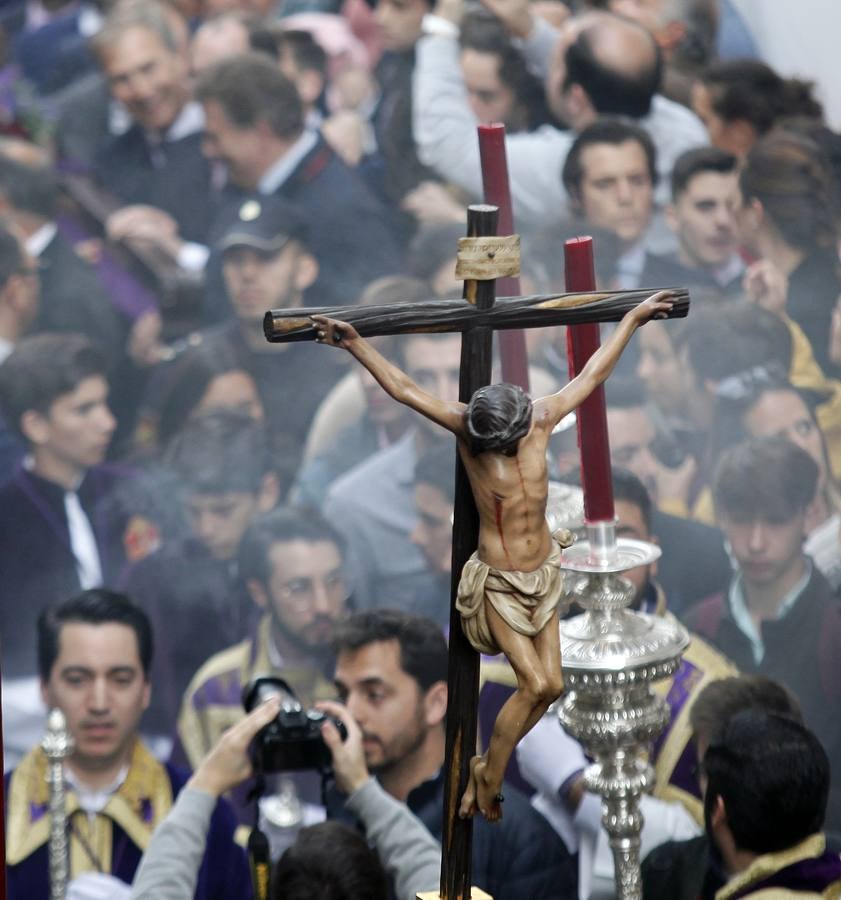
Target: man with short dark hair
point(702, 214)
point(778, 616)
point(95, 656)
point(694, 563)
point(391, 673)
point(54, 394)
point(767, 782)
point(500, 87)
point(609, 174)
point(291, 563)
point(693, 869)
point(220, 463)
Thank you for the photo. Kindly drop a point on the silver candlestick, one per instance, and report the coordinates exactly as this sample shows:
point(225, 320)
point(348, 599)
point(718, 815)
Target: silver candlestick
point(57, 745)
point(611, 658)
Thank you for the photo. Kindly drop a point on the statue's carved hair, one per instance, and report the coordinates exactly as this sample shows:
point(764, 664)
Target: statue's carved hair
point(497, 417)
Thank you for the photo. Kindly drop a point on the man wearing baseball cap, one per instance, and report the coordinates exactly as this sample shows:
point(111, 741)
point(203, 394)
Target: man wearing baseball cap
point(267, 264)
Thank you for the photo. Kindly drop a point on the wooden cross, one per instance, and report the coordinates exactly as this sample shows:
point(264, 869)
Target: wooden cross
point(476, 317)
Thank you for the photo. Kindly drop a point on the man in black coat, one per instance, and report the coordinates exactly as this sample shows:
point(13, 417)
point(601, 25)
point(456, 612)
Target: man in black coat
point(254, 124)
point(56, 537)
point(157, 162)
point(391, 672)
point(267, 263)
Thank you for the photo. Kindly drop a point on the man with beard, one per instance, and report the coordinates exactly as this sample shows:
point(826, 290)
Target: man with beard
point(291, 563)
point(391, 674)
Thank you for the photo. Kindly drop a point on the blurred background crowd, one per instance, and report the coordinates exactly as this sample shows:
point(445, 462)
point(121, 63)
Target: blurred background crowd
point(172, 169)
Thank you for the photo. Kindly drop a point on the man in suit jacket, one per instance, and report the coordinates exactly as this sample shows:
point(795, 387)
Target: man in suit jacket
point(142, 50)
point(255, 126)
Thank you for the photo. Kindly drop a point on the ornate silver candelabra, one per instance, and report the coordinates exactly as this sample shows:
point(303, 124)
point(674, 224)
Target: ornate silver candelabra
point(611, 658)
point(57, 745)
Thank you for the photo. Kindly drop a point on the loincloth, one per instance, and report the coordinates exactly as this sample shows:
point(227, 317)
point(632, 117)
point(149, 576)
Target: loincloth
point(525, 600)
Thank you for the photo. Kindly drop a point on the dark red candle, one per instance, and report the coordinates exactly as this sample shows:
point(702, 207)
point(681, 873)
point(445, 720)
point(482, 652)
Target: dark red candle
point(582, 343)
point(512, 344)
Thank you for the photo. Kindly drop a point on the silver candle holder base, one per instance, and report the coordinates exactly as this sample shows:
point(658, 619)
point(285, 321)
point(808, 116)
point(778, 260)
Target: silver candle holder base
point(612, 657)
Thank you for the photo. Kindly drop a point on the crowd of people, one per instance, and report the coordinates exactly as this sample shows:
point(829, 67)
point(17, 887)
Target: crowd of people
point(186, 507)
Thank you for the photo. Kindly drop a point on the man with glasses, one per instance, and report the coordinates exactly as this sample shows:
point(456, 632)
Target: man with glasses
point(291, 563)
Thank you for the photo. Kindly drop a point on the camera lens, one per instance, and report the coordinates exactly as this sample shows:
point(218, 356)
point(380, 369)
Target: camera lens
point(264, 688)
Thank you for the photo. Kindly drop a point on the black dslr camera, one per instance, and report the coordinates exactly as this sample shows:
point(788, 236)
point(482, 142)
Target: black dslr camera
point(293, 740)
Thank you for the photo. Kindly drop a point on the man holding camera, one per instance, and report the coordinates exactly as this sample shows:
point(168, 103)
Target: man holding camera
point(318, 863)
point(391, 673)
point(94, 656)
point(291, 562)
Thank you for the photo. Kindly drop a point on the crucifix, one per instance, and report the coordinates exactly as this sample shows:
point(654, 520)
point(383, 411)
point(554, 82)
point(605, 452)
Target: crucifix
point(483, 508)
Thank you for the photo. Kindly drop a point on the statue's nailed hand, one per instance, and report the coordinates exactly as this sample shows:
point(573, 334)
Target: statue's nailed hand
point(333, 332)
point(657, 306)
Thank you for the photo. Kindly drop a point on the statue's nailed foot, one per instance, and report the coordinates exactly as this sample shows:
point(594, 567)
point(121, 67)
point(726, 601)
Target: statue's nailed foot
point(482, 794)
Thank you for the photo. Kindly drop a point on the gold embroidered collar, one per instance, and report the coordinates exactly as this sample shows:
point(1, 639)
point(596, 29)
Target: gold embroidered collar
point(137, 806)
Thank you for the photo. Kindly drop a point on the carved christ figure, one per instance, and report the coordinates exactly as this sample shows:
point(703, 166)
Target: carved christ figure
point(510, 588)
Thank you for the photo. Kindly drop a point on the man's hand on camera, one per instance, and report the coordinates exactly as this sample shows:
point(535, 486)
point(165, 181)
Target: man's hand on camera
point(349, 764)
point(228, 763)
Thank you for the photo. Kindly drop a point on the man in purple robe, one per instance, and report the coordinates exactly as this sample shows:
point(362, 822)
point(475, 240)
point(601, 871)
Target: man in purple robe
point(766, 779)
point(95, 654)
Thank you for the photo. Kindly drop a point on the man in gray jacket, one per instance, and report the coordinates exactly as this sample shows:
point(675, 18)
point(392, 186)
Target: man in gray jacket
point(406, 850)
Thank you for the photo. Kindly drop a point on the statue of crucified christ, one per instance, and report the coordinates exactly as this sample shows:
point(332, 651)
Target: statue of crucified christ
point(511, 587)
